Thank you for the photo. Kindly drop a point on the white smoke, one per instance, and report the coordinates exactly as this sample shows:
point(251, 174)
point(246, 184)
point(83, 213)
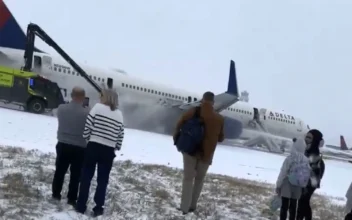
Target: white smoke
point(141, 114)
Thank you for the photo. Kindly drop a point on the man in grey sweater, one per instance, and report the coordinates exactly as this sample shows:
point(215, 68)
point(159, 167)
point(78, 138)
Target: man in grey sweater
point(71, 146)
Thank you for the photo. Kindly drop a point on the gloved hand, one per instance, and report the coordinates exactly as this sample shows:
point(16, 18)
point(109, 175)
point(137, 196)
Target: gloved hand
point(277, 190)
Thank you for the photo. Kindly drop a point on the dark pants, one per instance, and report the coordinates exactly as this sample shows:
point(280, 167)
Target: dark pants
point(304, 210)
point(103, 156)
point(288, 205)
point(67, 156)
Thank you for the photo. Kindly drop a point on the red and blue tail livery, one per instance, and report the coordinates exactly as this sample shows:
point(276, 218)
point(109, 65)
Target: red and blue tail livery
point(11, 34)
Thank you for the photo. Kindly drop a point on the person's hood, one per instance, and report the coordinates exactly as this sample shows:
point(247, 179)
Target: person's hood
point(299, 146)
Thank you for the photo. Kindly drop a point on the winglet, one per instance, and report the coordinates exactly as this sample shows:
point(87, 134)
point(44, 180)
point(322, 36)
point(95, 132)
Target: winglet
point(11, 34)
point(343, 144)
point(232, 87)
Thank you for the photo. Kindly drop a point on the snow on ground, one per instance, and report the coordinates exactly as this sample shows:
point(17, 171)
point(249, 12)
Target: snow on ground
point(135, 191)
point(222, 195)
point(39, 132)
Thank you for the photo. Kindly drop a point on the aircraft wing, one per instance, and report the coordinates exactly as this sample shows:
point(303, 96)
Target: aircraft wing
point(223, 100)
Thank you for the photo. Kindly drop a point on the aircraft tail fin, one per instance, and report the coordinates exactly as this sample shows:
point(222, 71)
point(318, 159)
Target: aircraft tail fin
point(232, 87)
point(11, 34)
point(343, 144)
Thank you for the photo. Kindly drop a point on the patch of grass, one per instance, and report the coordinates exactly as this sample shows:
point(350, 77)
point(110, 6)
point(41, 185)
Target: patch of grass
point(16, 185)
point(161, 194)
point(239, 194)
point(325, 209)
point(137, 190)
point(21, 198)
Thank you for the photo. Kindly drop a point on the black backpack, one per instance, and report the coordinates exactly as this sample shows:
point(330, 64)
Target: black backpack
point(191, 134)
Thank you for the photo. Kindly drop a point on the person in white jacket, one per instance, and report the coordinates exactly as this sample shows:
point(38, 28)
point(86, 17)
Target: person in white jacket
point(289, 193)
point(104, 131)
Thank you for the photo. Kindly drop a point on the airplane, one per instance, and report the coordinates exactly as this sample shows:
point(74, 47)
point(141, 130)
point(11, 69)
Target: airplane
point(340, 151)
point(343, 145)
point(330, 153)
point(149, 105)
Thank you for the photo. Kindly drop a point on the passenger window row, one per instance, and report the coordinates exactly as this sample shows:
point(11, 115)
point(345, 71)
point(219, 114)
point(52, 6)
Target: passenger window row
point(142, 89)
point(152, 91)
point(74, 73)
point(240, 111)
point(282, 120)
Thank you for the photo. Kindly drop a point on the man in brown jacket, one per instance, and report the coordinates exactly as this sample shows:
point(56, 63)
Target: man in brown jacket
point(195, 167)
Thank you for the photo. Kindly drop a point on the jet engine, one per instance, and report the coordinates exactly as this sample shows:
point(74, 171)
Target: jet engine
point(232, 128)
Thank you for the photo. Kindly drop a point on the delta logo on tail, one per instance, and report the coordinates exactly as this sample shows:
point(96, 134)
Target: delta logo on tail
point(11, 34)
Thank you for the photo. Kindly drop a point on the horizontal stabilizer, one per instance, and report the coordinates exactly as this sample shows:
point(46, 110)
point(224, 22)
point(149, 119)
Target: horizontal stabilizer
point(11, 34)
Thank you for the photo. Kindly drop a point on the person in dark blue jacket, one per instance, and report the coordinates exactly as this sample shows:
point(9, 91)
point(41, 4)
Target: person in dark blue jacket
point(314, 140)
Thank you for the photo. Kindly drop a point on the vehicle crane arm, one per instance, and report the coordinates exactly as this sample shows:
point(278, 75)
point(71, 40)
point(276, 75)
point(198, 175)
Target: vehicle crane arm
point(34, 30)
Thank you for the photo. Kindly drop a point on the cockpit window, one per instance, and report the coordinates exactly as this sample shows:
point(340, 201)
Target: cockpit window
point(308, 127)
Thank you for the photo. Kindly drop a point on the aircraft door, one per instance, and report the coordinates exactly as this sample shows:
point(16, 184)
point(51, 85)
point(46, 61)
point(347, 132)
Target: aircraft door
point(256, 115)
point(47, 62)
point(259, 117)
point(299, 125)
point(37, 62)
point(42, 65)
point(262, 114)
point(189, 99)
point(110, 83)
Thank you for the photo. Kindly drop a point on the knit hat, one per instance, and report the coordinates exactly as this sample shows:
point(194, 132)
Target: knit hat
point(317, 138)
point(317, 135)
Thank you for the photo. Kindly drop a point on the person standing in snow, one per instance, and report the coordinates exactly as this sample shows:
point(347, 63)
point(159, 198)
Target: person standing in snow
point(314, 140)
point(348, 206)
point(71, 145)
point(289, 192)
point(104, 131)
point(196, 166)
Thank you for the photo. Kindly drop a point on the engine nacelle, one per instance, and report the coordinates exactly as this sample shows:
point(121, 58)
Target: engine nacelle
point(232, 128)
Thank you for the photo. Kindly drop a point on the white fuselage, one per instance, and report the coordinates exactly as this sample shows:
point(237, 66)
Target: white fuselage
point(147, 94)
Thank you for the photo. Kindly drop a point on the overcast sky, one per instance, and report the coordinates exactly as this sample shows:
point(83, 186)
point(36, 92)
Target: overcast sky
point(292, 55)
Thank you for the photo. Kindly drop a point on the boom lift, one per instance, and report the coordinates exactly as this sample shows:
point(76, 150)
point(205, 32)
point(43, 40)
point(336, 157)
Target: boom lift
point(34, 30)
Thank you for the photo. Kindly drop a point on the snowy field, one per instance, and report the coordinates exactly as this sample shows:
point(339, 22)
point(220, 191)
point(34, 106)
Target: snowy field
point(140, 191)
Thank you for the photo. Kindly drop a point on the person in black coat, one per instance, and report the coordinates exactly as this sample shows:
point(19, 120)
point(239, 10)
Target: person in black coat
point(314, 140)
